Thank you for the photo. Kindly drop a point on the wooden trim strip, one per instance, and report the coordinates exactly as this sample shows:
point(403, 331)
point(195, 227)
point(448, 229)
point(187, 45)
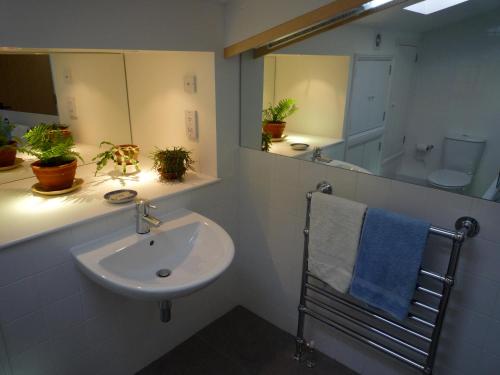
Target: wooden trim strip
point(327, 11)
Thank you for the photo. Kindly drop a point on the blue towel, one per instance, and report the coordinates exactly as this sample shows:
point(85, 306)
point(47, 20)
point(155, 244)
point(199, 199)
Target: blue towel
point(388, 262)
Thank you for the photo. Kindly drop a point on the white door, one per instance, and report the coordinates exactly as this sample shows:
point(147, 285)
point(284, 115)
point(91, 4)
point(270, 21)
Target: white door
point(367, 110)
point(369, 91)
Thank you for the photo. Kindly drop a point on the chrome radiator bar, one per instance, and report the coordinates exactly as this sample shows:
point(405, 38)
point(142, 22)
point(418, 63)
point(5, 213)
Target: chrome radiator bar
point(390, 336)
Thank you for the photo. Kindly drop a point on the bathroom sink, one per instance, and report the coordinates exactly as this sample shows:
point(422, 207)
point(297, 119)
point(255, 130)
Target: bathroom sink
point(184, 254)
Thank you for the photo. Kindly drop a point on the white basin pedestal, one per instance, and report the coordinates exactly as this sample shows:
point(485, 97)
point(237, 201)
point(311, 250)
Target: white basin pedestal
point(184, 254)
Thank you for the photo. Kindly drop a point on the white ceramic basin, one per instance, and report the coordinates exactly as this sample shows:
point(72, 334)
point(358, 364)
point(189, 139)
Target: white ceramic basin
point(193, 248)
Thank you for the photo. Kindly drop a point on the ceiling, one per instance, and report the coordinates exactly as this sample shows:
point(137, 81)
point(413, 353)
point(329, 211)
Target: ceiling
point(397, 18)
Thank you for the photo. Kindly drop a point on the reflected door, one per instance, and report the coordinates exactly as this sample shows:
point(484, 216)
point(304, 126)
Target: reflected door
point(367, 111)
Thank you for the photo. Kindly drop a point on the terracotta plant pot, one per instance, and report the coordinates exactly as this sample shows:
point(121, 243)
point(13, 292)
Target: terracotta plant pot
point(8, 154)
point(64, 131)
point(169, 176)
point(275, 129)
point(132, 151)
point(55, 178)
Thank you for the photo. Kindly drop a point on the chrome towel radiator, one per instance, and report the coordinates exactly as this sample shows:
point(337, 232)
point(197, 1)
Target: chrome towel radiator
point(413, 341)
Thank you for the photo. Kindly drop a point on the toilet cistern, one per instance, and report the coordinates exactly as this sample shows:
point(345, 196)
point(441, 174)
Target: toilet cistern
point(144, 219)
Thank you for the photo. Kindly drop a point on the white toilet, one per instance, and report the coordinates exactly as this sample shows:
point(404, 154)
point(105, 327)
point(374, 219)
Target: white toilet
point(461, 155)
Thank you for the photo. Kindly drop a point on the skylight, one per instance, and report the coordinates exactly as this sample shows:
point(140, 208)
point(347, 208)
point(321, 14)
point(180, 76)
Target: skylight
point(432, 6)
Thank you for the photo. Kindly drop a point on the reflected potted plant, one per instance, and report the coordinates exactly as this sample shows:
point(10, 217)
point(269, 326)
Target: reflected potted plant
point(121, 155)
point(55, 168)
point(172, 164)
point(64, 129)
point(8, 145)
point(266, 142)
point(274, 117)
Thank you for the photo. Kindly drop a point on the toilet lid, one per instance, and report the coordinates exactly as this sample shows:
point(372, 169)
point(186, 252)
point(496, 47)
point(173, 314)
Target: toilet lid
point(449, 178)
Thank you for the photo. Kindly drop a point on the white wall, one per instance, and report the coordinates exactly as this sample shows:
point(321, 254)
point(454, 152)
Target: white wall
point(158, 103)
point(319, 86)
point(99, 91)
point(457, 79)
point(271, 219)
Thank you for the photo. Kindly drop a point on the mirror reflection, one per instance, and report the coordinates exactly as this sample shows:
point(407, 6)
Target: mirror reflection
point(83, 93)
point(399, 94)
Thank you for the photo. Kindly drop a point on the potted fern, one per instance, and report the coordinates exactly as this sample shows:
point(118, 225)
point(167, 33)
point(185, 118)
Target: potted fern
point(55, 168)
point(274, 117)
point(172, 164)
point(8, 146)
point(121, 155)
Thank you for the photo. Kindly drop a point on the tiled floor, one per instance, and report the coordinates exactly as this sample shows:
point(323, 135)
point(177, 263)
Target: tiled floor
point(240, 343)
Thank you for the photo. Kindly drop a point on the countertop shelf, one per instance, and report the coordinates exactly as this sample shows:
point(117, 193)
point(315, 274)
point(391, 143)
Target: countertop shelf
point(284, 148)
point(25, 215)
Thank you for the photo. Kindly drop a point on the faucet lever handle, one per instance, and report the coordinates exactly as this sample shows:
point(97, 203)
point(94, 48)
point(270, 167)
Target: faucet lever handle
point(151, 205)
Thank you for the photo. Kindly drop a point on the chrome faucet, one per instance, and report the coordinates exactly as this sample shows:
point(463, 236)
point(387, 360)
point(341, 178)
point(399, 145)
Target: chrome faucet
point(317, 156)
point(144, 219)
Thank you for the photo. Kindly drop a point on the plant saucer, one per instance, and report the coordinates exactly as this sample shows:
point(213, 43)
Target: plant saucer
point(16, 164)
point(37, 188)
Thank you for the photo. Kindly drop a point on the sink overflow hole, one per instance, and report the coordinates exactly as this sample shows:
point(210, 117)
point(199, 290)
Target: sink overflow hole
point(151, 243)
point(163, 272)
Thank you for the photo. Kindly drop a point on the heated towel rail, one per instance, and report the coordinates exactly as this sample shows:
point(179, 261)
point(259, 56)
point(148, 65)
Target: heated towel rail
point(413, 341)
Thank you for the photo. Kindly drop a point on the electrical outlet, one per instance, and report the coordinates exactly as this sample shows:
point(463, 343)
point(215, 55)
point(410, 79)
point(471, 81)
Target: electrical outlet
point(191, 121)
point(71, 108)
point(190, 84)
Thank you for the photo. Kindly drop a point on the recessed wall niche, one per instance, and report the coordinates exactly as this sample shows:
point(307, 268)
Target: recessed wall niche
point(118, 96)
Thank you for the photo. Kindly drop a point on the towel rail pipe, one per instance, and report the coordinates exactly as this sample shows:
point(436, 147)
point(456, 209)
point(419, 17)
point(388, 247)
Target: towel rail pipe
point(430, 292)
point(377, 331)
point(362, 338)
point(367, 312)
point(432, 275)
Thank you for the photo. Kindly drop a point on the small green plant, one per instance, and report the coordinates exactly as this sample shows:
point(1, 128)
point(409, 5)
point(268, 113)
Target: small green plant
point(279, 112)
point(266, 141)
point(121, 155)
point(172, 164)
point(50, 146)
point(5, 132)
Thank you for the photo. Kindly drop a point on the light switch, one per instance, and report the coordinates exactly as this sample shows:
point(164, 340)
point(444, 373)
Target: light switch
point(71, 108)
point(191, 119)
point(190, 84)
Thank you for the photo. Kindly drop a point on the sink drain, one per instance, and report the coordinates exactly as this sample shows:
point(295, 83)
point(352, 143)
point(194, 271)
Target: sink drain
point(163, 272)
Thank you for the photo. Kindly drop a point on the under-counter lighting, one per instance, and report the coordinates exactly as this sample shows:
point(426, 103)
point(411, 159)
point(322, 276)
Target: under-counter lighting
point(431, 6)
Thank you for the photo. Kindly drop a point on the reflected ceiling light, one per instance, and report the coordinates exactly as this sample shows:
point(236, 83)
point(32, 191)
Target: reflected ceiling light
point(432, 6)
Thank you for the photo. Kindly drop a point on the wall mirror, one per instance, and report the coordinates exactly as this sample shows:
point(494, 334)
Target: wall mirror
point(85, 91)
point(410, 93)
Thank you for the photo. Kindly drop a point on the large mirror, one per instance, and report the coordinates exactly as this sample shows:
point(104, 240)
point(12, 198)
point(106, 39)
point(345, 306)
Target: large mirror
point(87, 92)
point(409, 93)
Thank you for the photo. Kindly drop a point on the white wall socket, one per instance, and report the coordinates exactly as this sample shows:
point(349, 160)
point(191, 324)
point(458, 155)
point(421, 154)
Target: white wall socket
point(71, 108)
point(190, 84)
point(191, 120)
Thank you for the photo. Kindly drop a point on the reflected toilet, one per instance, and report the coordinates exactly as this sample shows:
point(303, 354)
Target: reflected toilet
point(461, 156)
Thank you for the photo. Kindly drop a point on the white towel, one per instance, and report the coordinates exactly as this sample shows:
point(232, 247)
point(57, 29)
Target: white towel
point(334, 231)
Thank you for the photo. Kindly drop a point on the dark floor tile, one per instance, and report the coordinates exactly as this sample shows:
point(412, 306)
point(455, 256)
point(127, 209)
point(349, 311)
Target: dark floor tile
point(240, 343)
point(193, 357)
point(261, 347)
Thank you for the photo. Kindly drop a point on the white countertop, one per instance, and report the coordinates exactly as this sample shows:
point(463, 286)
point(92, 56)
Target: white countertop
point(284, 148)
point(24, 215)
